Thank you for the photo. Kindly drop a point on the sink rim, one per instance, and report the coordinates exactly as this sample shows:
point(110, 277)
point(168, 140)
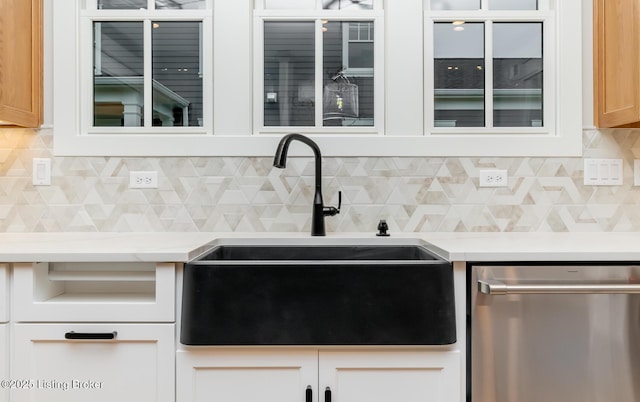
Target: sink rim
point(318, 242)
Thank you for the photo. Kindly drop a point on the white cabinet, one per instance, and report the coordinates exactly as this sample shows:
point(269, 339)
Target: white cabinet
point(93, 331)
point(136, 365)
point(4, 361)
point(4, 293)
point(382, 376)
point(235, 375)
point(238, 375)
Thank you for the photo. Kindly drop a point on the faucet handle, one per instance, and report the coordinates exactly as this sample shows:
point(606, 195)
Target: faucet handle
point(332, 211)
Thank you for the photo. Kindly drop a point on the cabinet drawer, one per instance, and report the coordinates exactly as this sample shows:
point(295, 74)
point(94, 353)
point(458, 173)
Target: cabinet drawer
point(92, 292)
point(137, 364)
point(4, 293)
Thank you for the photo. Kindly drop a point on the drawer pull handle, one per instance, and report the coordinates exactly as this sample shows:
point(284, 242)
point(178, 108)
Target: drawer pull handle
point(327, 394)
point(493, 287)
point(90, 335)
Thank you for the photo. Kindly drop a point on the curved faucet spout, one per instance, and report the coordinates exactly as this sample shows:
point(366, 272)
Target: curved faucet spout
point(280, 161)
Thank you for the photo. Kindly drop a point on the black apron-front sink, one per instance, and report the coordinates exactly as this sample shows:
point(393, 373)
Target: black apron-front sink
point(318, 295)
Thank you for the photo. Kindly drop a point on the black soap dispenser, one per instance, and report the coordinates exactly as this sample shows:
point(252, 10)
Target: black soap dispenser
point(382, 228)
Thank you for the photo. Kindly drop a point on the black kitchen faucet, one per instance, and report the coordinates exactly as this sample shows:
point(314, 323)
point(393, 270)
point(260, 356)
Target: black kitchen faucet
point(319, 210)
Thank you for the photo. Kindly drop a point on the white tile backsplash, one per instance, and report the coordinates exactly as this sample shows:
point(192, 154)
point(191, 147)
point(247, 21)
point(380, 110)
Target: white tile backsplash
point(247, 194)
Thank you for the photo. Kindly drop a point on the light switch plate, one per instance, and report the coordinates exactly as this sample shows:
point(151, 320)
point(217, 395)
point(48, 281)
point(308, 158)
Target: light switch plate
point(603, 172)
point(41, 171)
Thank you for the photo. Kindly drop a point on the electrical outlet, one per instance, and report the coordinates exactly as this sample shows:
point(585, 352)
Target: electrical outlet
point(493, 178)
point(148, 179)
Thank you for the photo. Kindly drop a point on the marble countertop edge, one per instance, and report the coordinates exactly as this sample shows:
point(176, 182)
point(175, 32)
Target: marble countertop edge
point(184, 246)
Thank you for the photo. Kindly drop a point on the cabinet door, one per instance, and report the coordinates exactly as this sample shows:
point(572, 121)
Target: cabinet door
point(136, 365)
point(407, 376)
point(234, 375)
point(616, 64)
point(21, 62)
point(4, 361)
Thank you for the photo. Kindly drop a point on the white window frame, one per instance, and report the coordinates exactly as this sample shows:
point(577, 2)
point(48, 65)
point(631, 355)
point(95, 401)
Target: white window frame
point(233, 76)
point(562, 114)
point(91, 15)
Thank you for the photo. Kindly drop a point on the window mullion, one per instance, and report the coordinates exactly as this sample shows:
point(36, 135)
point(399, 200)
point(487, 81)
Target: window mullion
point(488, 73)
point(318, 73)
point(148, 74)
point(429, 83)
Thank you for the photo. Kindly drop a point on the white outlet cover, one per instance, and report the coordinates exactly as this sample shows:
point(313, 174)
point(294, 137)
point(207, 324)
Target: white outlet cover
point(143, 179)
point(494, 178)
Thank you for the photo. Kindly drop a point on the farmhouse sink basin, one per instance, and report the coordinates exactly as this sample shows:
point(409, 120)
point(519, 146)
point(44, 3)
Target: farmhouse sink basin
point(318, 292)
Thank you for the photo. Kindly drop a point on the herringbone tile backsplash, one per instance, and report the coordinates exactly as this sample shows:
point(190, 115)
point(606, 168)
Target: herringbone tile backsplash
point(230, 194)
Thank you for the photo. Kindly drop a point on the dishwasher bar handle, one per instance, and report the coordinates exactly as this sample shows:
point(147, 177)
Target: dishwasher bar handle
point(493, 287)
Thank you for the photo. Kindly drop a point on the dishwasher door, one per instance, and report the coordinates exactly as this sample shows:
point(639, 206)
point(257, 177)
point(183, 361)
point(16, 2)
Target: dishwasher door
point(558, 332)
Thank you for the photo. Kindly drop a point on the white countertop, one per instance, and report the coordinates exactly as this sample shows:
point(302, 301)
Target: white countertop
point(182, 247)
point(609, 246)
point(92, 247)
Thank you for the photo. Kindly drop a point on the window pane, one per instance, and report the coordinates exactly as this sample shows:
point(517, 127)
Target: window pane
point(177, 79)
point(513, 4)
point(459, 75)
point(347, 4)
point(361, 54)
point(122, 4)
point(361, 31)
point(118, 74)
point(517, 74)
point(290, 4)
point(455, 4)
point(289, 73)
point(348, 81)
point(180, 4)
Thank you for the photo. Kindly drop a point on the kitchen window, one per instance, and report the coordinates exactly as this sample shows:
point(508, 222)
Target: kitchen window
point(466, 96)
point(147, 64)
point(321, 74)
point(497, 69)
point(489, 70)
point(363, 78)
point(119, 84)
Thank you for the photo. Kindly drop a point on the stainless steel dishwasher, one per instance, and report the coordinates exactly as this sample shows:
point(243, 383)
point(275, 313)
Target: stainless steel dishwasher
point(553, 332)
